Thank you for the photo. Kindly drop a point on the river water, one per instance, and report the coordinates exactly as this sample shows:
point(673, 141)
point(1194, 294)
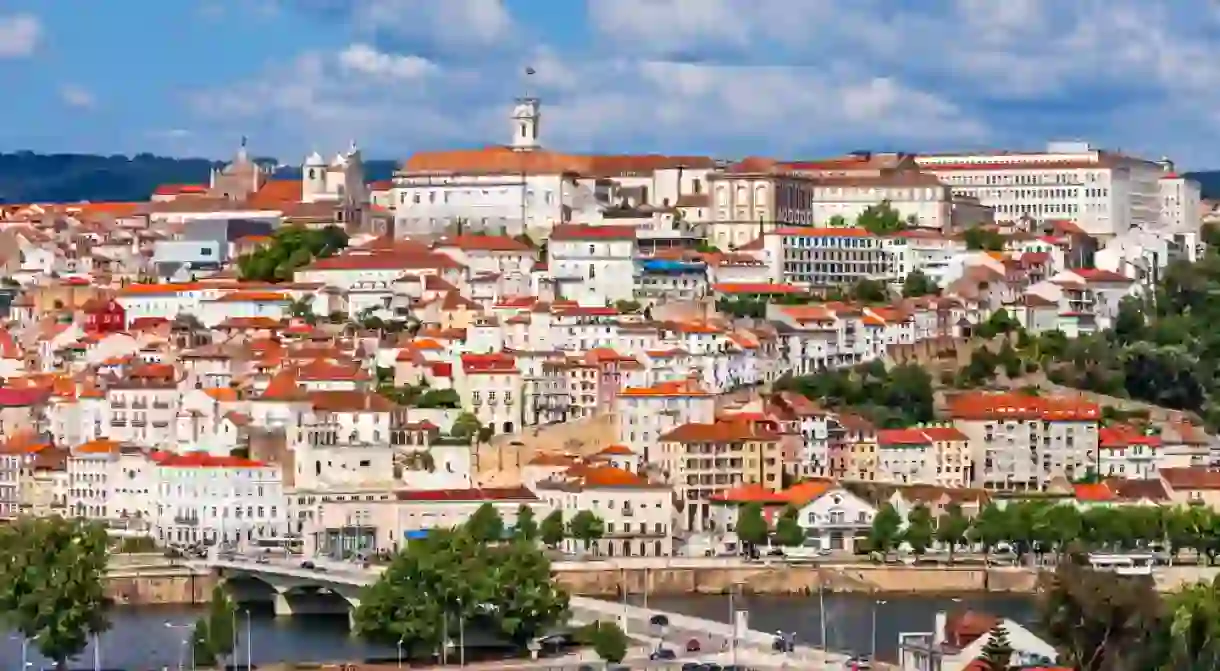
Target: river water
point(152, 637)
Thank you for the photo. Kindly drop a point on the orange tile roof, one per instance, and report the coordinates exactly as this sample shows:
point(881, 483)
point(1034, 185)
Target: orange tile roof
point(255, 297)
point(223, 394)
point(283, 387)
point(1093, 492)
point(1000, 406)
point(902, 437)
point(277, 192)
point(756, 288)
point(99, 446)
point(797, 495)
point(673, 388)
point(717, 432)
point(621, 450)
point(486, 243)
point(202, 460)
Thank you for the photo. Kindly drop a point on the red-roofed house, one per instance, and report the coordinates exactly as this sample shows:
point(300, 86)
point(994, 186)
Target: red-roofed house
point(1022, 442)
point(490, 386)
point(592, 265)
point(1126, 452)
point(833, 517)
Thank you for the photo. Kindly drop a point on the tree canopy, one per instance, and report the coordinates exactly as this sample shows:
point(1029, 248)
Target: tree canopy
point(899, 397)
point(437, 584)
point(51, 589)
point(290, 249)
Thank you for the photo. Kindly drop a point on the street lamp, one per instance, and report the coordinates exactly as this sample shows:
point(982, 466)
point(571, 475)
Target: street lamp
point(878, 602)
point(399, 646)
point(461, 634)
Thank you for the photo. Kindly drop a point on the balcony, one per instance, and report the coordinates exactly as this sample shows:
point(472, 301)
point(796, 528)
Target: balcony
point(118, 403)
point(118, 422)
point(186, 521)
point(161, 405)
point(139, 422)
point(140, 404)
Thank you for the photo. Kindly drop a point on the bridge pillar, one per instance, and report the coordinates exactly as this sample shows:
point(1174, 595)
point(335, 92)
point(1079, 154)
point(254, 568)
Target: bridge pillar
point(282, 603)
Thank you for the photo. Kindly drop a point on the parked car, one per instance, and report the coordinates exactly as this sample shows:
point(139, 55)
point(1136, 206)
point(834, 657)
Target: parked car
point(665, 654)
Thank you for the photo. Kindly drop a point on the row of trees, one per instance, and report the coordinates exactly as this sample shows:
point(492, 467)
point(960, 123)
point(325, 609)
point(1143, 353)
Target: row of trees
point(291, 248)
point(1045, 527)
point(898, 397)
point(471, 576)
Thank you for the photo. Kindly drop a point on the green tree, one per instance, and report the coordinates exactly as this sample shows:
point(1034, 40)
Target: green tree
point(751, 525)
point(526, 528)
point(788, 529)
point(427, 586)
point(836, 221)
point(291, 248)
point(439, 398)
point(525, 600)
point(221, 624)
point(465, 427)
point(884, 535)
point(918, 284)
point(881, 219)
point(1099, 621)
point(51, 589)
point(607, 640)
point(997, 652)
point(991, 527)
point(919, 532)
point(1193, 641)
point(587, 528)
point(983, 239)
point(201, 647)
point(951, 528)
point(485, 525)
point(553, 529)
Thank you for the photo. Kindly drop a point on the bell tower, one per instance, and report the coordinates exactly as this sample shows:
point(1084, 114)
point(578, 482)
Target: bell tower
point(526, 119)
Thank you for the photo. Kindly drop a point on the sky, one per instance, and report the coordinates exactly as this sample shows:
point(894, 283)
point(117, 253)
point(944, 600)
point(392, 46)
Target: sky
point(792, 79)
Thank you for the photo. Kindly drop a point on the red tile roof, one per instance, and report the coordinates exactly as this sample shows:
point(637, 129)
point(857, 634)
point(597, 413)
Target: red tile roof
point(471, 495)
point(996, 406)
point(202, 460)
point(755, 288)
point(589, 232)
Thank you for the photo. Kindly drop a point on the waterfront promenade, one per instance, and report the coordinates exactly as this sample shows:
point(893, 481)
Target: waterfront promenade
point(721, 640)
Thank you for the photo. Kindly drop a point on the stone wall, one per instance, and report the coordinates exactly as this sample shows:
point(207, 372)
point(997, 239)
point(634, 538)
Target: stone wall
point(800, 579)
point(160, 587)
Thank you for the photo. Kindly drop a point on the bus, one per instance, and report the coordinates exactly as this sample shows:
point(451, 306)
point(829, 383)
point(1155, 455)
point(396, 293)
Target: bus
point(287, 545)
point(1130, 563)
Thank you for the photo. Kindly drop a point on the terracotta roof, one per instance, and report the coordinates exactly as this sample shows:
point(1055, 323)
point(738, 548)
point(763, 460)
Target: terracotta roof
point(486, 243)
point(756, 288)
point(1002, 406)
point(902, 438)
point(350, 401)
point(589, 232)
point(404, 260)
point(1093, 493)
point(283, 387)
point(716, 432)
point(99, 446)
point(473, 364)
point(202, 460)
point(473, 495)
point(19, 398)
point(503, 160)
point(797, 495)
point(1097, 275)
point(1191, 478)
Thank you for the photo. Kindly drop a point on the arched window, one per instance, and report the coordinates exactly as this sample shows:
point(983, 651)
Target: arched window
point(312, 173)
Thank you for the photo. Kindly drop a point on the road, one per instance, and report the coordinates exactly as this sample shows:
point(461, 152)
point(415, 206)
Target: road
point(715, 639)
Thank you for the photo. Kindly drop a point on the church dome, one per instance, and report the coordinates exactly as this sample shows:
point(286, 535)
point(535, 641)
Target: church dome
point(315, 159)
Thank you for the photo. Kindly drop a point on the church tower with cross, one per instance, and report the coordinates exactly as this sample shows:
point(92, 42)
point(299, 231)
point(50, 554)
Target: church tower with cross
point(527, 118)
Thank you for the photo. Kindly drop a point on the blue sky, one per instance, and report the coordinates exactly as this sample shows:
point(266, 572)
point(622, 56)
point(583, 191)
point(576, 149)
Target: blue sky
point(787, 78)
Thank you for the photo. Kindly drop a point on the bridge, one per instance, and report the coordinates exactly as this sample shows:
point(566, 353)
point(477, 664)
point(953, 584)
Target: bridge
point(333, 587)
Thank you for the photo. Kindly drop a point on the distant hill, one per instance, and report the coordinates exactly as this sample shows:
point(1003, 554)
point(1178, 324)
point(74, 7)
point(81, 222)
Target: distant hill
point(1209, 182)
point(26, 177)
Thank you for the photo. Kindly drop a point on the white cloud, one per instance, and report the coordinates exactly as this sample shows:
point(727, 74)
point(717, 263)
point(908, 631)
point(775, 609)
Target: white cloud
point(76, 96)
point(787, 77)
point(365, 60)
point(19, 35)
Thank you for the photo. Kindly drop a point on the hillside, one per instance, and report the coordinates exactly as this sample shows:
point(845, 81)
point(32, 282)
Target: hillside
point(1209, 182)
point(26, 177)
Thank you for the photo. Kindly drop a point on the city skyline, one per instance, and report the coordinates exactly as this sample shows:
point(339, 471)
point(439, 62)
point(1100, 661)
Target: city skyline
point(718, 77)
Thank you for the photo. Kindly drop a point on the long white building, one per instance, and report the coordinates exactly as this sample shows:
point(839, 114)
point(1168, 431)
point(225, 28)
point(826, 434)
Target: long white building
point(1105, 193)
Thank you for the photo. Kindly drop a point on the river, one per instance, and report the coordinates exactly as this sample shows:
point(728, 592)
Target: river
point(152, 637)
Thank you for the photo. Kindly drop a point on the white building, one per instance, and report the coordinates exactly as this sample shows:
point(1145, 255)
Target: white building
point(340, 180)
point(201, 497)
point(592, 265)
point(1105, 193)
point(637, 514)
